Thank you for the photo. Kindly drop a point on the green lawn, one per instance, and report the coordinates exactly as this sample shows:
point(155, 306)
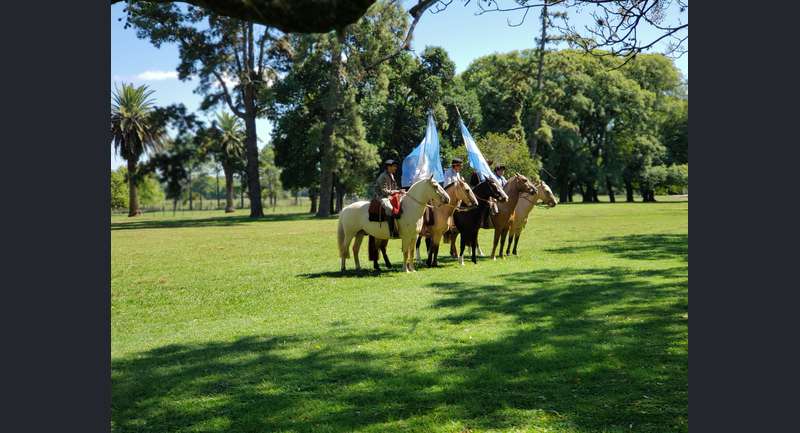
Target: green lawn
point(220, 323)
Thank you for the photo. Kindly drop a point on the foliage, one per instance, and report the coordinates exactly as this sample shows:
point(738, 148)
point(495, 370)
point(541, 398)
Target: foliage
point(149, 189)
point(603, 123)
point(270, 173)
point(119, 189)
point(133, 131)
point(510, 151)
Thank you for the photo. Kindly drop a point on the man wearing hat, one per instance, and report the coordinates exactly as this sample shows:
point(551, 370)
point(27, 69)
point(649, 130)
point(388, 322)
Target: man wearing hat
point(499, 170)
point(387, 192)
point(453, 173)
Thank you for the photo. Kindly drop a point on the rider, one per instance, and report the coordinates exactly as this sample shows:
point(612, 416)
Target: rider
point(387, 191)
point(453, 173)
point(499, 169)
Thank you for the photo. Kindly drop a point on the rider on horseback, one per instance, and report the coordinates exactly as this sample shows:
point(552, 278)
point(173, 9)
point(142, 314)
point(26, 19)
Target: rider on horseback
point(389, 194)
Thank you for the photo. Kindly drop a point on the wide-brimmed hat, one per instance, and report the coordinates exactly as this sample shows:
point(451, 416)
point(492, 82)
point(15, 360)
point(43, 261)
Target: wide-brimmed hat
point(499, 165)
point(456, 161)
point(390, 162)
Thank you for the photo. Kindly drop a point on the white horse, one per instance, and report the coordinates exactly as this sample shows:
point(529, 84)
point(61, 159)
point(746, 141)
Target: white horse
point(354, 221)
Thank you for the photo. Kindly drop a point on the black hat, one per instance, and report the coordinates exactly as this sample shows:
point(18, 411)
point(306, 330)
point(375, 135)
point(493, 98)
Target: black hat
point(390, 162)
point(456, 161)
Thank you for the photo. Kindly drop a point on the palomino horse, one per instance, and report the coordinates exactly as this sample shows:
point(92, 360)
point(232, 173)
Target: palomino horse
point(516, 185)
point(459, 192)
point(468, 222)
point(354, 221)
point(525, 205)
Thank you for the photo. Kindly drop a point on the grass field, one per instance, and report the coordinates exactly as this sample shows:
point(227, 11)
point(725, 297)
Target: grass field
point(220, 323)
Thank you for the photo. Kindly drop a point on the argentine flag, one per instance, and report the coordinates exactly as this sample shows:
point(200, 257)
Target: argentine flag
point(474, 155)
point(424, 160)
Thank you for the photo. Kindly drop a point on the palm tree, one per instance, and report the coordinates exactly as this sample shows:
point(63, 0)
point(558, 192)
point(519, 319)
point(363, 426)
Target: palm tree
point(133, 132)
point(228, 146)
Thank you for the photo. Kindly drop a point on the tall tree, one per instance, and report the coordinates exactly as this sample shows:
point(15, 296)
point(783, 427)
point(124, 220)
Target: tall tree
point(133, 132)
point(225, 141)
point(232, 60)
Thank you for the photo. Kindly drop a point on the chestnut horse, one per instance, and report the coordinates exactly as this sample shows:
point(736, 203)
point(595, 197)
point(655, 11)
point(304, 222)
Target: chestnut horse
point(524, 207)
point(459, 192)
point(516, 185)
point(354, 221)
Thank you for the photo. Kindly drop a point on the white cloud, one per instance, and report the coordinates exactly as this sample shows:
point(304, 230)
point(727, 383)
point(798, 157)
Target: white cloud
point(157, 75)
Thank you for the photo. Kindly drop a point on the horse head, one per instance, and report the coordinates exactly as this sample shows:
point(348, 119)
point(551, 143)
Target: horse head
point(524, 185)
point(496, 191)
point(546, 194)
point(464, 193)
point(437, 193)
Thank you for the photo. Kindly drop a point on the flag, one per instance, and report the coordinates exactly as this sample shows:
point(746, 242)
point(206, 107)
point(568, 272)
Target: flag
point(474, 155)
point(424, 160)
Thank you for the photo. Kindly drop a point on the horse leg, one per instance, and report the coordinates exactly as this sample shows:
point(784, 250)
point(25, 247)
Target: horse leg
point(494, 243)
point(419, 238)
point(510, 241)
point(503, 234)
point(436, 255)
point(383, 244)
point(356, 246)
point(516, 241)
point(474, 247)
point(347, 239)
point(461, 256)
point(453, 252)
point(372, 252)
point(480, 251)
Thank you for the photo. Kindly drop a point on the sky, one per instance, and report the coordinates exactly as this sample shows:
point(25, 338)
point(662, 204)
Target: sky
point(457, 29)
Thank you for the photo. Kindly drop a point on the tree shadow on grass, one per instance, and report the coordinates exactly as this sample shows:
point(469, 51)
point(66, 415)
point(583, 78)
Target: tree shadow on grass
point(606, 348)
point(584, 350)
point(221, 221)
point(637, 247)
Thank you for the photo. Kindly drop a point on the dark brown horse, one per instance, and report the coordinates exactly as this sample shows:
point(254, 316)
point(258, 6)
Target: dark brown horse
point(468, 222)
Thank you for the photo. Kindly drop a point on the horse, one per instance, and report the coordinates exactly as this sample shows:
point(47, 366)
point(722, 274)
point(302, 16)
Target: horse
point(516, 185)
point(525, 205)
point(354, 221)
point(468, 222)
point(459, 192)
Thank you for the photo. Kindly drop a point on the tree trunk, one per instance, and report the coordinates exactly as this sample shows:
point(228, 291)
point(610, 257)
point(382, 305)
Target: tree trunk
point(313, 199)
point(610, 189)
point(133, 193)
point(563, 190)
point(333, 195)
point(628, 191)
point(339, 197)
point(329, 117)
point(253, 184)
point(537, 122)
point(229, 191)
point(241, 191)
point(217, 173)
point(586, 194)
point(189, 176)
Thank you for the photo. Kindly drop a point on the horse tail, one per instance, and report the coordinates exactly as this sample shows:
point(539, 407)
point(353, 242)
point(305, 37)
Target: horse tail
point(340, 239)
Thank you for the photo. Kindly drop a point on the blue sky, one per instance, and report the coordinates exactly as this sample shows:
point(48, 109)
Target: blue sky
point(457, 29)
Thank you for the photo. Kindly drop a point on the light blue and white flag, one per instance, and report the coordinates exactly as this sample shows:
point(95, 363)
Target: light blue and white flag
point(474, 155)
point(424, 160)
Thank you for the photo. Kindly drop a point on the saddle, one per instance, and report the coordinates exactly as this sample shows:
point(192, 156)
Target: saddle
point(376, 211)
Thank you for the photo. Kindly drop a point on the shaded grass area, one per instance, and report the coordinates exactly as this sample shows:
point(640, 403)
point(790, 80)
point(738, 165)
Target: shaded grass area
point(586, 331)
